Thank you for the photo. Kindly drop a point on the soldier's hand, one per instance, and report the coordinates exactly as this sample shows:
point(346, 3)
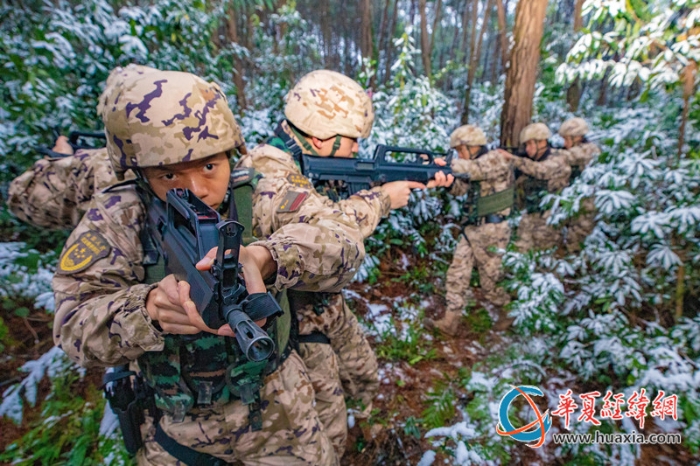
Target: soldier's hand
point(441, 180)
point(170, 305)
point(440, 161)
point(400, 191)
point(506, 155)
point(257, 264)
point(62, 146)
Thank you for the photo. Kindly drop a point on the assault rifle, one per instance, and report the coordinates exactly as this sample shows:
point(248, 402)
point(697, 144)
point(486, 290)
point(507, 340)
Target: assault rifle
point(182, 231)
point(389, 163)
point(77, 140)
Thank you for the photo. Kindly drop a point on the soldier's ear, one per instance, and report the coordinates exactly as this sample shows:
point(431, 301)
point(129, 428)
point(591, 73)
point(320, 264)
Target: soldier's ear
point(317, 143)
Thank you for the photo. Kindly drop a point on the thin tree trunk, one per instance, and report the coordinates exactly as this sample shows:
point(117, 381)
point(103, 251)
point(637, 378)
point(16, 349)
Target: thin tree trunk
point(390, 43)
point(465, 22)
point(436, 22)
point(424, 38)
point(688, 91)
point(366, 38)
point(522, 72)
point(238, 80)
point(474, 58)
point(578, 18)
point(573, 94)
point(502, 30)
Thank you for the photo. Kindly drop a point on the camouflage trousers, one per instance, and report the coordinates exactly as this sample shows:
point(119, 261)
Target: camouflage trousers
point(348, 366)
point(474, 249)
point(291, 433)
point(534, 233)
point(577, 229)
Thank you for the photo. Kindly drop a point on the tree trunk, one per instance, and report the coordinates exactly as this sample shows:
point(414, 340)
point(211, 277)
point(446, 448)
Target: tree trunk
point(465, 22)
point(366, 38)
point(238, 80)
point(573, 94)
point(522, 72)
point(688, 91)
point(436, 23)
point(390, 43)
point(424, 39)
point(502, 30)
point(474, 58)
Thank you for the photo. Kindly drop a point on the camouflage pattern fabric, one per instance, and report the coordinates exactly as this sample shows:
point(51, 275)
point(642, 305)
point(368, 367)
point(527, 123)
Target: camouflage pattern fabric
point(101, 318)
point(285, 196)
point(533, 231)
point(495, 174)
point(580, 156)
point(326, 103)
point(291, 433)
point(475, 248)
point(146, 110)
point(55, 192)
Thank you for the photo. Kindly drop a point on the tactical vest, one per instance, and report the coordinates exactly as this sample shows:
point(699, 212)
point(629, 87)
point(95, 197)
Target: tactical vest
point(479, 206)
point(532, 190)
point(199, 371)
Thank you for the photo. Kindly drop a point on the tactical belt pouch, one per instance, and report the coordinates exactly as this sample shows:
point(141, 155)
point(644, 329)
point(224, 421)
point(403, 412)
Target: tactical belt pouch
point(126, 405)
point(494, 203)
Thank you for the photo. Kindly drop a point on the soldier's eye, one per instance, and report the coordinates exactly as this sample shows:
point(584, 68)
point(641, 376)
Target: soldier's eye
point(209, 167)
point(169, 176)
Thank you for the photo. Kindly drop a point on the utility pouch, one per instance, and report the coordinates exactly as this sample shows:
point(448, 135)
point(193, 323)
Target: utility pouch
point(125, 404)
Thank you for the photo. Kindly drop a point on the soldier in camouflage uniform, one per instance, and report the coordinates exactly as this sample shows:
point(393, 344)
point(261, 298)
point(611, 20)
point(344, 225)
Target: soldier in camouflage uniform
point(56, 191)
point(579, 153)
point(485, 228)
point(326, 112)
point(543, 170)
point(175, 130)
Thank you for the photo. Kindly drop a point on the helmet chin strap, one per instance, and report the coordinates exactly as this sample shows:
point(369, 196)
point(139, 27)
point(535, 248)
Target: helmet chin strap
point(305, 144)
point(336, 144)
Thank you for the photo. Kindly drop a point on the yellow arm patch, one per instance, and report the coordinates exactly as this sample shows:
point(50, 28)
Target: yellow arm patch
point(299, 180)
point(85, 251)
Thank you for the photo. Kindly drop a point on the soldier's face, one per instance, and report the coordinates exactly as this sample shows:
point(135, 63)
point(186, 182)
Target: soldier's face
point(568, 142)
point(535, 148)
point(207, 178)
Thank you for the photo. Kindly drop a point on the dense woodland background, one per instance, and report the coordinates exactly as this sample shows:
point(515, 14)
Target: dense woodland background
point(622, 315)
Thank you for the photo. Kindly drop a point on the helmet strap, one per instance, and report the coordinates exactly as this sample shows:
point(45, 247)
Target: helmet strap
point(336, 144)
point(305, 144)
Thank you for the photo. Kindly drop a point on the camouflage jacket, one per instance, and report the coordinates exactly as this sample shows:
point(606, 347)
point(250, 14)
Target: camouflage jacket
point(552, 167)
point(580, 156)
point(493, 172)
point(55, 192)
point(101, 318)
point(284, 196)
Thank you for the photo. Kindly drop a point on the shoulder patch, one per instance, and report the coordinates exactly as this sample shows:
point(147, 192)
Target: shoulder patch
point(85, 251)
point(292, 201)
point(299, 180)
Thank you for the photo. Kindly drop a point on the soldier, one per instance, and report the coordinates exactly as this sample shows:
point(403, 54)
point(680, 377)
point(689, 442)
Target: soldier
point(486, 226)
point(543, 170)
point(173, 130)
point(326, 112)
point(56, 191)
point(579, 153)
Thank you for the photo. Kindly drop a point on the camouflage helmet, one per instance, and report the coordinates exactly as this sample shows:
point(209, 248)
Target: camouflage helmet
point(467, 135)
point(324, 104)
point(537, 131)
point(117, 77)
point(574, 127)
point(166, 117)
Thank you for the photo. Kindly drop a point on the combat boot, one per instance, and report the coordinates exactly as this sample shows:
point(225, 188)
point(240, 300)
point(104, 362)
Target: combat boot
point(449, 325)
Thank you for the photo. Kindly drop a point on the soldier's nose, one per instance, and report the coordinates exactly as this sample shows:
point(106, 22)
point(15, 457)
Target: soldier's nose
point(199, 187)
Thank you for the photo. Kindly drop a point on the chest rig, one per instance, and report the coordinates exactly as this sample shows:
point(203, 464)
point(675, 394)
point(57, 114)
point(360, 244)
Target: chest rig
point(194, 373)
point(480, 209)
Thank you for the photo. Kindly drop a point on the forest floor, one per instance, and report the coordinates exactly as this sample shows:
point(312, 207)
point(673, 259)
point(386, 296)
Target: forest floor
point(409, 373)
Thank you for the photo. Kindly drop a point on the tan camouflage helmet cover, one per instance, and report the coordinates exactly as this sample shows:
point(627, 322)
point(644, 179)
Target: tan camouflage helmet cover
point(166, 117)
point(117, 77)
point(537, 131)
point(467, 135)
point(574, 127)
point(324, 104)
